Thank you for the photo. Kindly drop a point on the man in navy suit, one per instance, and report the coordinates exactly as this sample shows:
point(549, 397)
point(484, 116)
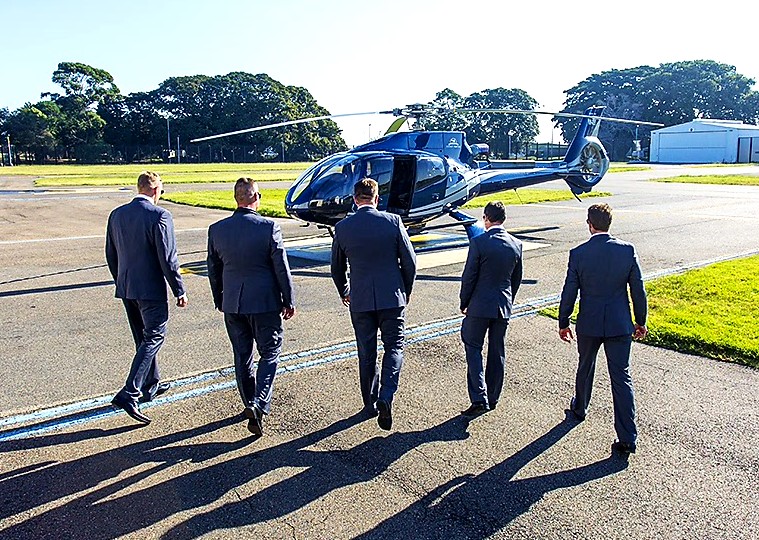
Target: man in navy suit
point(382, 272)
point(140, 249)
point(602, 269)
point(491, 279)
point(251, 283)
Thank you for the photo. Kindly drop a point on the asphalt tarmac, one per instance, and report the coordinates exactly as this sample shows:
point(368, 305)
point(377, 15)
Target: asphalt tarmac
point(71, 466)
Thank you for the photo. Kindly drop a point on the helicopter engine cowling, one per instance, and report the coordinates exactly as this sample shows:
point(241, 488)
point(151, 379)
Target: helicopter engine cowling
point(588, 167)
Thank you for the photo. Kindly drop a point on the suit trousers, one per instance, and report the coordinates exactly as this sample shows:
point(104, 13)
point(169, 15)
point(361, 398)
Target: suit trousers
point(148, 320)
point(617, 351)
point(390, 323)
point(255, 383)
point(484, 382)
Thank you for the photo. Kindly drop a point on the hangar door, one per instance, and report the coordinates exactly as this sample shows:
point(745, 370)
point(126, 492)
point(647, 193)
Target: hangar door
point(748, 149)
point(693, 147)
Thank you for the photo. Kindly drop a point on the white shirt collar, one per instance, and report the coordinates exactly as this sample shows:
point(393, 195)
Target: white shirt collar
point(496, 227)
point(143, 196)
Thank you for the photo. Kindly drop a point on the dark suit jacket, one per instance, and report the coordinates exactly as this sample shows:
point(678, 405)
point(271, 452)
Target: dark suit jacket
point(141, 251)
point(382, 261)
point(601, 269)
point(247, 265)
point(492, 274)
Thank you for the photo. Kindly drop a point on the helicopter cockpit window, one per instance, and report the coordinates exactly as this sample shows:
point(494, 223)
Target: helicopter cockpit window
point(428, 171)
point(335, 164)
point(337, 178)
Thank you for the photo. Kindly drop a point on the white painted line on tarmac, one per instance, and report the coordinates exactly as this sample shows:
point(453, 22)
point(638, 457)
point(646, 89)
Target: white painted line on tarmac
point(72, 238)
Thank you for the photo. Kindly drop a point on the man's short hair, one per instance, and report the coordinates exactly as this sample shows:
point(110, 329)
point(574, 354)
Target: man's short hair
point(147, 180)
point(599, 216)
point(245, 190)
point(365, 190)
point(495, 212)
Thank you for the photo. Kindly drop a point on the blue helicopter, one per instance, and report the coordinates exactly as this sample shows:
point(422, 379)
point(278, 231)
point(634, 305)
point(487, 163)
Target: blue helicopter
point(424, 175)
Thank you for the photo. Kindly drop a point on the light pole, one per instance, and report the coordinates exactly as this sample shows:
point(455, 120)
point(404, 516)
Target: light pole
point(10, 156)
point(283, 150)
point(168, 140)
point(370, 132)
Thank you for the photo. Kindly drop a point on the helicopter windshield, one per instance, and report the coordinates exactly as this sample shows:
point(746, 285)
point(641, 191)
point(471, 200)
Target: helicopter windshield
point(320, 170)
point(336, 178)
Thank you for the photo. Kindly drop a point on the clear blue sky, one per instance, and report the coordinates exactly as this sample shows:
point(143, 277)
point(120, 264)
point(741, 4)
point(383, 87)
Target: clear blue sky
point(356, 56)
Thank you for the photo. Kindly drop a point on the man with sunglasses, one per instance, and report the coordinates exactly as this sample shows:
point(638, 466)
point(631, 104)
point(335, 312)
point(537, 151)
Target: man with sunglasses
point(140, 249)
point(491, 278)
point(251, 283)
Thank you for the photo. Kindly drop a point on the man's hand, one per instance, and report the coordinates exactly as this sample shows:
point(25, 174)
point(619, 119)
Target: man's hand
point(288, 312)
point(640, 331)
point(347, 300)
point(463, 311)
point(566, 334)
point(182, 301)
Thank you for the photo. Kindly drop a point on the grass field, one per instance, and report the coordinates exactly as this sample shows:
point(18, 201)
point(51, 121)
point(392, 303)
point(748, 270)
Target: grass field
point(711, 312)
point(727, 179)
point(621, 167)
point(126, 175)
point(184, 173)
point(272, 200)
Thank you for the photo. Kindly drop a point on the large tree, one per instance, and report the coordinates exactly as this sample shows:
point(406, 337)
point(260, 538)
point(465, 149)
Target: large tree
point(503, 132)
point(199, 105)
point(85, 88)
point(444, 117)
point(671, 94)
point(34, 129)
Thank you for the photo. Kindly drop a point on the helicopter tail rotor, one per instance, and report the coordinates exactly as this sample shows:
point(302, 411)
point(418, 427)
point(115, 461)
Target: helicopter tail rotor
point(586, 161)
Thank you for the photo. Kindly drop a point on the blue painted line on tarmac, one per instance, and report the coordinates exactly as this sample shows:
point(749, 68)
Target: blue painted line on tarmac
point(92, 409)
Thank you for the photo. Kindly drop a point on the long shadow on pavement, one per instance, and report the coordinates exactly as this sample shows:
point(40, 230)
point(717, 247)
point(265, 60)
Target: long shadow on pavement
point(477, 506)
point(117, 492)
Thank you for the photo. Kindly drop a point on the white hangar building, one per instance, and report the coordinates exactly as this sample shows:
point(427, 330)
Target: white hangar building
point(706, 141)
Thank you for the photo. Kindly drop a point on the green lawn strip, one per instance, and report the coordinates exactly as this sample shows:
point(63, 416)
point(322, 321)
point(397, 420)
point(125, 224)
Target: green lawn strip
point(272, 200)
point(727, 179)
point(711, 311)
point(110, 175)
point(530, 196)
point(711, 165)
point(628, 168)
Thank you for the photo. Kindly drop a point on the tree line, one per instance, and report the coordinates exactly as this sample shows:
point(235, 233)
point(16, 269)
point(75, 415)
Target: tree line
point(91, 121)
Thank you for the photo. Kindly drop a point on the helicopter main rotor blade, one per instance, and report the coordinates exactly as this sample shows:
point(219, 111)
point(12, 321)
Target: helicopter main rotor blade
point(563, 114)
point(288, 123)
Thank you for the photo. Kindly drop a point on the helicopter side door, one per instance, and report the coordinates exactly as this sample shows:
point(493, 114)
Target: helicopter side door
point(430, 185)
point(402, 185)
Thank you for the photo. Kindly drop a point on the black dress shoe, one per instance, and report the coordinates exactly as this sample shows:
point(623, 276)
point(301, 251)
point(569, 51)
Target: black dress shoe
point(475, 409)
point(384, 415)
point(492, 405)
point(255, 418)
point(577, 415)
point(623, 448)
point(162, 388)
point(131, 409)
point(369, 412)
